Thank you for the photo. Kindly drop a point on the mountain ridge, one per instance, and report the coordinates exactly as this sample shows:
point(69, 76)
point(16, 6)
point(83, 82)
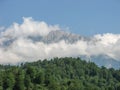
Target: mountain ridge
point(69, 38)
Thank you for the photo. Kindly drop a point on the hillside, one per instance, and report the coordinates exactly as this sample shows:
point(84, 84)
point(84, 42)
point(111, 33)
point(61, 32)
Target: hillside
point(59, 74)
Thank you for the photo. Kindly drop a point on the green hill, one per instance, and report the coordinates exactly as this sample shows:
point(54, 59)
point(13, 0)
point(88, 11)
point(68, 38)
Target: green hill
point(59, 74)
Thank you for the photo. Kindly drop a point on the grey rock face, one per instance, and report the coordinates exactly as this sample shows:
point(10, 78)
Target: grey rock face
point(56, 36)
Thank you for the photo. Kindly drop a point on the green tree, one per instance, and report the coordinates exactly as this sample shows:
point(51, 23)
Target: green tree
point(39, 78)
point(19, 84)
point(28, 83)
point(9, 81)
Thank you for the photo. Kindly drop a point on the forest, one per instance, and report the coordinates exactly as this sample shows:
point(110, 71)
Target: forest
point(59, 74)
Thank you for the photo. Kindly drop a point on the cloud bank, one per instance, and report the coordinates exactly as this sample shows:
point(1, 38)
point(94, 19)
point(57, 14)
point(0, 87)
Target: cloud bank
point(16, 46)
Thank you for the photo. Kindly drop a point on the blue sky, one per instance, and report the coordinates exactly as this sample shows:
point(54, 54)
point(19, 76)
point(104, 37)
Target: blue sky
point(85, 17)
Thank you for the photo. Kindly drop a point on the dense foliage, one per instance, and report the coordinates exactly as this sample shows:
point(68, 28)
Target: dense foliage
point(59, 74)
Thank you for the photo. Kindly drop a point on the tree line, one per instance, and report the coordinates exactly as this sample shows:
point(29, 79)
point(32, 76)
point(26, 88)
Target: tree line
point(59, 74)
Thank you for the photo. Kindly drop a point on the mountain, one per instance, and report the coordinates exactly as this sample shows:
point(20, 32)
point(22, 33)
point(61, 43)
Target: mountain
point(103, 60)
point(10, 42)
point(58, 35)
point(100, 60)
point(59, 74)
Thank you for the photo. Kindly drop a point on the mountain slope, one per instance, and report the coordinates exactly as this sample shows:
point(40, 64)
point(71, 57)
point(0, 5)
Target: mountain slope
point(103, 60)
point(59, 74)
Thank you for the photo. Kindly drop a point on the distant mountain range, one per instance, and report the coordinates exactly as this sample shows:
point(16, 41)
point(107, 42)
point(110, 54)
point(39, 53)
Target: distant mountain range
point(59, 35)
point(56, 36)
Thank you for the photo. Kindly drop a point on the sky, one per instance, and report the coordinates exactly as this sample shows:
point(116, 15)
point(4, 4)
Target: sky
point(21, 21)
point(84, 17)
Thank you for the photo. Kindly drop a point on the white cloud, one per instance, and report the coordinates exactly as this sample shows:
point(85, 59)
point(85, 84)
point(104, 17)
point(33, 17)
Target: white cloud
point(106, 44)
point(29, 27)
point(23, 49)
